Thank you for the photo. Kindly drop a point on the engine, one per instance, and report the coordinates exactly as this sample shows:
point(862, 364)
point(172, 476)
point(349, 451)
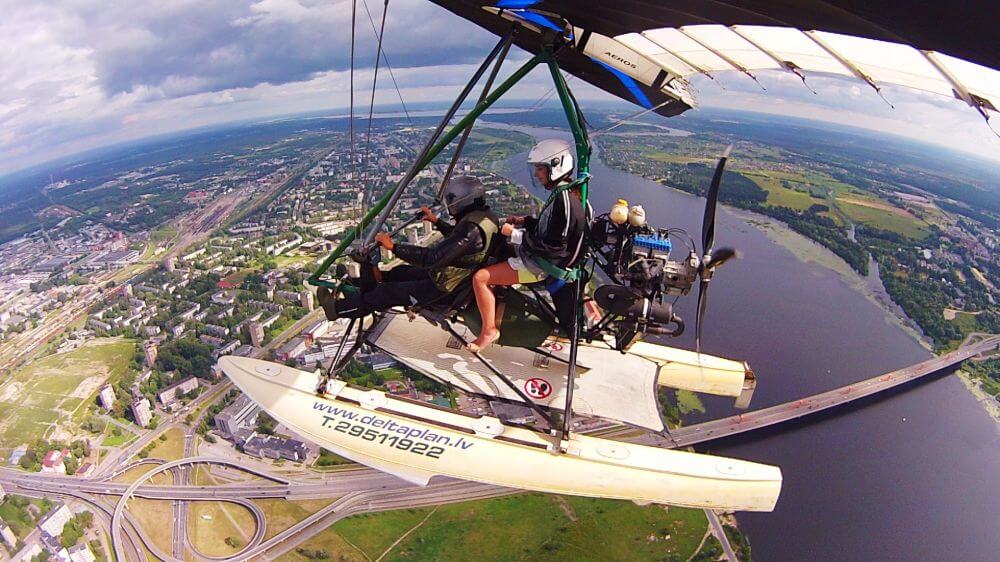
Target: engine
point(636, 259)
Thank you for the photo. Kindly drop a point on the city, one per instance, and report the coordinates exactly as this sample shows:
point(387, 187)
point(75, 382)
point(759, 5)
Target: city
point(192, 196)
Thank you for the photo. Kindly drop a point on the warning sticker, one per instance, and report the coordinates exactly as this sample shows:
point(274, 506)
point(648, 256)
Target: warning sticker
point(537, 388)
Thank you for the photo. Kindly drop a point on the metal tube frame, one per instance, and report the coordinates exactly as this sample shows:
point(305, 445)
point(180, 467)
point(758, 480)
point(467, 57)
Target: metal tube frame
point(583, 172)
point(434, 146)
point(468, 130)
point(439, 142)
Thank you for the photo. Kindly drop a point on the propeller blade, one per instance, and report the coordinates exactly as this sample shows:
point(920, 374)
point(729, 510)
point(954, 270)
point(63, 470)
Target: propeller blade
point(721, 256)
point(712, 201)
point(700, 315)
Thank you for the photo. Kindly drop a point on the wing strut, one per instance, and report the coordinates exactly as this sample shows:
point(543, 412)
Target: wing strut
point(576, 124)
point(419, 163)
point(510, 384)
point(468, 130)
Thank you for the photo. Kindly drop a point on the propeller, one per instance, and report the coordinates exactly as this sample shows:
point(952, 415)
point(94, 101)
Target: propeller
point(711, 258)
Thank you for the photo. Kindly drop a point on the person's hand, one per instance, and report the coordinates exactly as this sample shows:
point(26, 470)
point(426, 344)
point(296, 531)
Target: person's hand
point(515, 220)
point(507, 229)
point(383, 239)
point(429, 215)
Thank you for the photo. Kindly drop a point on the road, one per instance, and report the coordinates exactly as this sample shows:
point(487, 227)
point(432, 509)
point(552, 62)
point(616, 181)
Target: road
point(756, 419)
point(366, 490)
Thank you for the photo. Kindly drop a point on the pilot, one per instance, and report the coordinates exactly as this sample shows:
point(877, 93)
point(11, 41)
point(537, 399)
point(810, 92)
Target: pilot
point(544, 246)
point(431, 272)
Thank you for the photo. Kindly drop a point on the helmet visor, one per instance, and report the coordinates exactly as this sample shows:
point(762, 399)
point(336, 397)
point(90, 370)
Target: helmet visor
point(540, 174)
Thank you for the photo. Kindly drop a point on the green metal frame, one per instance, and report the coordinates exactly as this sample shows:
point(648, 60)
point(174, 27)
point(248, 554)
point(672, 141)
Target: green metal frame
point(569, 106)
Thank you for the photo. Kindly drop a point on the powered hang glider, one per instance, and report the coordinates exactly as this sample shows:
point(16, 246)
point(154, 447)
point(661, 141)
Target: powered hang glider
point(588, 359)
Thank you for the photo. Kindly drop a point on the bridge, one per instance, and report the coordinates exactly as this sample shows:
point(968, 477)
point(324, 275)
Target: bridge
point(740, 423)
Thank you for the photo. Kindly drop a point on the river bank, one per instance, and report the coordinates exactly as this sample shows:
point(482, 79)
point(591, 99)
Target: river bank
point(810, 251)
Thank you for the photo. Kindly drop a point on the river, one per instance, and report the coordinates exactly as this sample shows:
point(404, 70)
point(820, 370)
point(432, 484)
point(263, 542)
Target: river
point(910, 475)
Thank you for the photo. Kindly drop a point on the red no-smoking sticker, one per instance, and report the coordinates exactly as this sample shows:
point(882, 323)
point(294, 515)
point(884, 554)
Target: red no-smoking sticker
point(537, 388)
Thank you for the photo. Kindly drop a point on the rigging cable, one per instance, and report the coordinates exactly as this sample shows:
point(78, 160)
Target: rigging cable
point(371, 105)
point(354, 164)
point(385, 59)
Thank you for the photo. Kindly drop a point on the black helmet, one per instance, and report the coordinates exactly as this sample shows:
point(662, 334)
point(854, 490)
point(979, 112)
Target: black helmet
point(463, 193)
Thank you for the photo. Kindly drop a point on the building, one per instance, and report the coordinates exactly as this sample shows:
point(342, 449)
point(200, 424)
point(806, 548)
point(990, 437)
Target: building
point(53, 461)
point(53, 522)
point(291, 349)
point(378, 361)
point(172, 393)
point(272, 447)
point(170, 264)
point(227, 349)
point(256, 334)
point(106, 396)
point(141, 412)
point(84, 471)
point(3, 493)
point(306, 299)
point(81, 553)
point(96, 324)
point(224, 297)
point(316, 331)
point(150, 350)
point(241, 414)
point(7, 534)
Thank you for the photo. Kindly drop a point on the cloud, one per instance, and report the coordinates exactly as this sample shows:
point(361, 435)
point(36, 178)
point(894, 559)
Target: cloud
point(78, 74)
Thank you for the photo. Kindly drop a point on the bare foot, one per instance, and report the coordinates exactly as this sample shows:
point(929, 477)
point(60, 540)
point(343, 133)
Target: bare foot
point(484, 340)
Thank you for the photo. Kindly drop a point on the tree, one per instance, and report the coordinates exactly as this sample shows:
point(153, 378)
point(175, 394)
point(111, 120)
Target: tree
point(265, 424)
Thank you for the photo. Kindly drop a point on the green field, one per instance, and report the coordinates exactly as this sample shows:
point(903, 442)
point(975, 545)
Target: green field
point(282, 514)
point(112, 440)
point(521, 527)
point(895, 220)
point(210, 524)
point(781, 196)
point(163, 233)
point(171, 448)
point(47, 397)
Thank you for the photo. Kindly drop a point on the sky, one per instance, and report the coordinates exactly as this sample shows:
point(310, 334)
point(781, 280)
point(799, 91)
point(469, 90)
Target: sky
point(81, 74)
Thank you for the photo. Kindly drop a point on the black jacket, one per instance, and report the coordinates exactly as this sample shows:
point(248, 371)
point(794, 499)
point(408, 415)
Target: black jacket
point(466, 239)
point(557, 234)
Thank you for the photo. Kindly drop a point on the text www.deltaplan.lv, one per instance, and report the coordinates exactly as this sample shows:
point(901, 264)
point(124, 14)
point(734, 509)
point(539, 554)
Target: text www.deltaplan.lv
point(420, 441)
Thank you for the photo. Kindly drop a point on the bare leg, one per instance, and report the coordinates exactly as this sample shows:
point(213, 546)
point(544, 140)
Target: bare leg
point(482, 280)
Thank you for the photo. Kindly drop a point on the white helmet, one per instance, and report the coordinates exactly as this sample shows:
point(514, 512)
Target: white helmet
point(554, 154)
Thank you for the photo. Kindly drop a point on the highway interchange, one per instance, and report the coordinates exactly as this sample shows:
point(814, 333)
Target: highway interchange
point(358, 490)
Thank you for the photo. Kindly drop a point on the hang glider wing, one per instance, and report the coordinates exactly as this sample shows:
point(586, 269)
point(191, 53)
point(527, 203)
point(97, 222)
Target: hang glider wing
point(644, 52)
point(417, 441)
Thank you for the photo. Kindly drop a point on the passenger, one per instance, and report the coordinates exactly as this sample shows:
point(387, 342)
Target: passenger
point(552, 241)
point(433, 271)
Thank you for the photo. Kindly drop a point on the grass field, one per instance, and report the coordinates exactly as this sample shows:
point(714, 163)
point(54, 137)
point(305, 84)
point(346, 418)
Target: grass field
point(284, 262)
point(47, 397)
point(781, 196)
point(211, 523)
point(163, 233)
point(172, 448)
point(155, 517)
point(112, 440)
point(282, 514)
point(881, 215)
point(522, 527)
